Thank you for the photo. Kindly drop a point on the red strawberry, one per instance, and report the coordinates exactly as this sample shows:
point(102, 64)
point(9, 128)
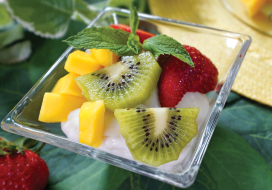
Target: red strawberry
point(178, 77)
point(143, 35)
point(21, 169)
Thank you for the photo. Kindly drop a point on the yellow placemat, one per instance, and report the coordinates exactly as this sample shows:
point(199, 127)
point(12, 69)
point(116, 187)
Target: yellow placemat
point(254, 79)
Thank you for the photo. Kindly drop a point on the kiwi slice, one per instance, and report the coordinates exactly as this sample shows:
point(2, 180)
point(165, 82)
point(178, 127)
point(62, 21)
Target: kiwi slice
point(124, 84)
point(156, 136)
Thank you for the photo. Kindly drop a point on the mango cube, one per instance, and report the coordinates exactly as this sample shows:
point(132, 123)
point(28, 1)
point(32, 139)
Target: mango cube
point(81, 63)
point(56, 107)
point(67, 85)
point(104, 56)
point(91, 123)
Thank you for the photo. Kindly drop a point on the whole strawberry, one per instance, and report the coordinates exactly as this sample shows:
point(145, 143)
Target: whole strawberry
point(178, 77)
point(20, 168)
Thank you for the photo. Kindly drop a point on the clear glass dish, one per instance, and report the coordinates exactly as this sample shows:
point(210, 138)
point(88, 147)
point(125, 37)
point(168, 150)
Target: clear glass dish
point(226, 49)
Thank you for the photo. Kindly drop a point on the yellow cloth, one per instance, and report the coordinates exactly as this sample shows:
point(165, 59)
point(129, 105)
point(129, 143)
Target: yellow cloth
point(254, 79)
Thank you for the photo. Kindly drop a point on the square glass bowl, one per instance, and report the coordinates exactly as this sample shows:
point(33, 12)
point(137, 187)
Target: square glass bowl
point(225, 49)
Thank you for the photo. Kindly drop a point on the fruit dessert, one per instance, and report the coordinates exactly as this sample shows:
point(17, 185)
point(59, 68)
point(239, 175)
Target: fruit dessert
point(134, 94)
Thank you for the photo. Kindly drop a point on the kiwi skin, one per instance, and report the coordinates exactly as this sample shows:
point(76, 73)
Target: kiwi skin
point(156, 136)
point(124, 84)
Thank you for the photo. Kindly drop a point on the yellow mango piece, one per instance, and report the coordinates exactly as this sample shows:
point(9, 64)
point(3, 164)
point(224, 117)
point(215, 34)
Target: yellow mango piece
point(104, 56)
point(67, 85)
point(81, 63)
point(253, 6)
point(91, 123)
point(56, 107)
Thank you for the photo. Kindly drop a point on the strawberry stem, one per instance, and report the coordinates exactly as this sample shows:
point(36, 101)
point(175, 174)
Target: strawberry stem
point(37, 151)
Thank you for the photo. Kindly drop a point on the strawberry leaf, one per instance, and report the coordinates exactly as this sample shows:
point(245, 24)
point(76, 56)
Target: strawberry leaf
point(162, 44)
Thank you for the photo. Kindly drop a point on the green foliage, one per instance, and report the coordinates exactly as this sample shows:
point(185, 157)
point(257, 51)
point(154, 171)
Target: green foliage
point(5, 18)
point(15, 53)
point(90, 178)
point(253, 122)
point(48, 18)
point(83, 12)
point(162, 44)
point(16, 32)
point(125, 4)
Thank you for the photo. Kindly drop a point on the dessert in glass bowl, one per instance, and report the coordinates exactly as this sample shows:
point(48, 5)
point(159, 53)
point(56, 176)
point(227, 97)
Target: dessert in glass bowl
point(23, 119)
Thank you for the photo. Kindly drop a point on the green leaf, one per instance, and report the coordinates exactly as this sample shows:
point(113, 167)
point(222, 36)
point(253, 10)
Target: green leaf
point(134, 43)
point(15, 53)
point(11, 35)
point(47, 18)
point(25, 143)
point(134, 20)
point(83, 12)
point(133, 39)
point(5, 18)
point(125, 4)
point(234, 164)
point(252, 121)
point(91, 177)
point(162, 44)
point(102, 38)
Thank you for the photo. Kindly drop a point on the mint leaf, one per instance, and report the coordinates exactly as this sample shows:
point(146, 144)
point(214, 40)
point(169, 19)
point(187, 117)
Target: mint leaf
point(102, 38)
point(162, 44)
point(134, 20)
point(48, 18)
point(133, 40)
point(134, 43)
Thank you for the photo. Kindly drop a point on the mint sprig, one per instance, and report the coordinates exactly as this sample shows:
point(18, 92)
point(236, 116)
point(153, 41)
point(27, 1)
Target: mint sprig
point(102, 38)
point(123, 43)
point(134, 43)
point(162, 44)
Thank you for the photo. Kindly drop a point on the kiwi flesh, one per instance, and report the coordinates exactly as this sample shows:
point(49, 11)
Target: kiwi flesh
point(156, 136)
point(124, 84)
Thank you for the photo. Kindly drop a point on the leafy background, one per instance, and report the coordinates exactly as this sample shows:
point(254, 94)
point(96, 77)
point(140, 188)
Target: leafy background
point(239, 155)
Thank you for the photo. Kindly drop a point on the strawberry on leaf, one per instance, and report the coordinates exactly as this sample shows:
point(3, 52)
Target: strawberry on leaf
point(21, 168)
